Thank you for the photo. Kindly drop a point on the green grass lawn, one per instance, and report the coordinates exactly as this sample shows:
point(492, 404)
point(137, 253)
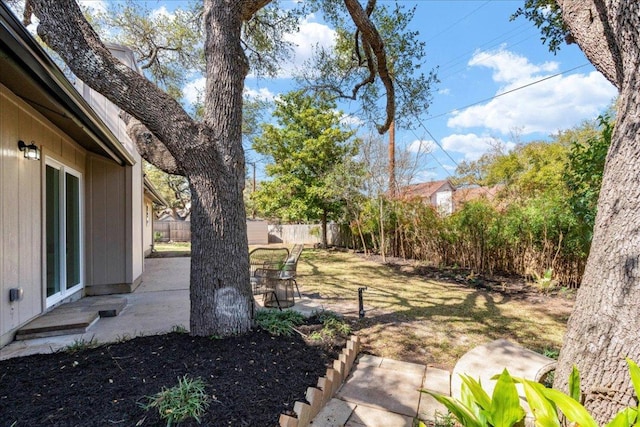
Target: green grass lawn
point(413, 318)
point(172, 247)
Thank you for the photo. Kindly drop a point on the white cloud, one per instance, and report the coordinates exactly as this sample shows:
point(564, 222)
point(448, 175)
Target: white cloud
point(546, 107)
point(509, 67)
point(263, 94)
point(193, 90)
point(471, 145)
point(445, 91)
point(421, 146)
point(310, 35)
point(94, 6)
point(351, 120)
point(162, 12)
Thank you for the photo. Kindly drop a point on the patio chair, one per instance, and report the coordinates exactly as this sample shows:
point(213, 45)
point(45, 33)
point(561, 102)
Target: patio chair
point(266, 257)
point(290, 267)
point(275, 291)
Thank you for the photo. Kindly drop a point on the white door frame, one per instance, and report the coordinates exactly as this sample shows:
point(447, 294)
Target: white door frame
point(62, 241)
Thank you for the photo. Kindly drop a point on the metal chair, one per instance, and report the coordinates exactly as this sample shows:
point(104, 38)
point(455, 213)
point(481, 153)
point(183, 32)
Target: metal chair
point(289, 270)
point(275, 291)
point(269, 257)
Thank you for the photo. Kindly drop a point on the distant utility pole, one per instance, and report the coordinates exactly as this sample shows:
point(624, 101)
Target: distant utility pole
point(254, 176)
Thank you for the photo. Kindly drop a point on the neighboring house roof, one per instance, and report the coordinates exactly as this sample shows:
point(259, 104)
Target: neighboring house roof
point(28, 71)
point(153, 193)
point(424, 190)
point(463, 195)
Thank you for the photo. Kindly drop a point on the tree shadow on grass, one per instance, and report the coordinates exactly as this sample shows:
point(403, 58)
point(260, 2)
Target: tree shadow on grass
point(415, 318)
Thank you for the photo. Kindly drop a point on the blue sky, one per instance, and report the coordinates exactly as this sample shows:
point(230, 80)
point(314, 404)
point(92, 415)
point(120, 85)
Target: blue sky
point(480, 53)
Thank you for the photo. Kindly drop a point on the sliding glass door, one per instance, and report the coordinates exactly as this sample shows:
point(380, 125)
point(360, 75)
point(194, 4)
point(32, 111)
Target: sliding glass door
point(63, 222)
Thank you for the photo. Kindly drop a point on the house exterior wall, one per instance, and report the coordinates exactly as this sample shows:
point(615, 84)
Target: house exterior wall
point(147, 226)
point(442, 199)
point(21, 213)
point(117, 214)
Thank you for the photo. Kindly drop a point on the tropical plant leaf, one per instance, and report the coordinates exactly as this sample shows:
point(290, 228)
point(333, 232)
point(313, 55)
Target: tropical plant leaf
point(574, 384)
point(457, 409)
point(470, 402)
point(624, 418)
point(481, 398)
point(634, 371)
point(505, 403)
point(543, 410)
point(571, 408)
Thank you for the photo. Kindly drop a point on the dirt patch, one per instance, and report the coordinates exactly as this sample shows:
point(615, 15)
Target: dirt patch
point(250, 379)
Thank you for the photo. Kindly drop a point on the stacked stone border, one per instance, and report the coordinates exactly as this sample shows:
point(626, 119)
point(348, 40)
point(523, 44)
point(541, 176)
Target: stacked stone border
point(318, 397)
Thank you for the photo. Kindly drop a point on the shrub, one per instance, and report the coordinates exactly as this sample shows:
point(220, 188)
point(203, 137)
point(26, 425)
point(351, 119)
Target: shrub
point(186, 400)
point(278, 322)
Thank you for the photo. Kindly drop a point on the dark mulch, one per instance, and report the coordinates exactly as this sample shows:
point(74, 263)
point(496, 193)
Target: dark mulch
point(251, 379)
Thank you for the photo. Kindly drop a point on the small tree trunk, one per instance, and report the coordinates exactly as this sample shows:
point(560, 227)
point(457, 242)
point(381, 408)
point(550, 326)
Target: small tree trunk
point(323, 220)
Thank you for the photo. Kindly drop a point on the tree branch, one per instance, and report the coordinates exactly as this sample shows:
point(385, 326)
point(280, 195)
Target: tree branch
point(372, 37)
point(250, 7)
point(593, 31)
point(64, 28)
point(150, 148)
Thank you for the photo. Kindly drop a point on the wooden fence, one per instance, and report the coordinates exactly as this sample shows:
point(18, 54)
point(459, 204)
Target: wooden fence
point(180, 231)
point(259, 233)
point(308, 234)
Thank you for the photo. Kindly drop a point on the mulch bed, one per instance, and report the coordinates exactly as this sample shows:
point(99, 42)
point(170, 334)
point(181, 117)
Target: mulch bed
point(251, 380)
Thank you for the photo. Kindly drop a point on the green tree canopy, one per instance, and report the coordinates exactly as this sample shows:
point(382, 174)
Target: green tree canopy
point(310, 155)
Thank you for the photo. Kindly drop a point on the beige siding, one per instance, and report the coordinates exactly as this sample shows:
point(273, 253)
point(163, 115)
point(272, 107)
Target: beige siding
point(137, 221)
point(147, 226)
point(106, 220)
point(116, 224)
point(21, 218)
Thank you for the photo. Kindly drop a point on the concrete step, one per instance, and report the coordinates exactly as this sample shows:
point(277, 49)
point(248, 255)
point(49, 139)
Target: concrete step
point(72, 318)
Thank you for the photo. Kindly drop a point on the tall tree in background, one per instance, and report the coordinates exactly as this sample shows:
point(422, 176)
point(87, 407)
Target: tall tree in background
point(309, 152)
point(343, 67)
point(603, 328)
point(208, 153)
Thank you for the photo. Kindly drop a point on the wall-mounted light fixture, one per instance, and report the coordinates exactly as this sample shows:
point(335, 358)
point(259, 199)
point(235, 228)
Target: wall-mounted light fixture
point(31, 151)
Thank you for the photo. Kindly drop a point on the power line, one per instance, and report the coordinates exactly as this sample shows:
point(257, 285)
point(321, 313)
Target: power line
point(458, 21)
point(507, 92)
point(431, 154)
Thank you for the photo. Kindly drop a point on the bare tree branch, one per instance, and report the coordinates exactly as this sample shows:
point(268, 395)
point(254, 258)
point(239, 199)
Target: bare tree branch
point(64, 28)
point(250, 7)
point(373, 39)
point(150, 148)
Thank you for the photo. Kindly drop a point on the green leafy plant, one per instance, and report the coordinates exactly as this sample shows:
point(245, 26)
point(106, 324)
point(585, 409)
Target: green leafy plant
point(545, 282)
point(186, 400)
point(279, 322)
point(179, 329)
point(81, 344)
point(332, 324)
point(440, 419)
point(476, 409)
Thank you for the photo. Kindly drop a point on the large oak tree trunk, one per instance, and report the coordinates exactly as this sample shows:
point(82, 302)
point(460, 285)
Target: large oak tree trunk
point(604, 327)
point(219, 254)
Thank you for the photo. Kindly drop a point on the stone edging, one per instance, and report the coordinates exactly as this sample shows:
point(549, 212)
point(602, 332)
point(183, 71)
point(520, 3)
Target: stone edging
point(327, 387)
